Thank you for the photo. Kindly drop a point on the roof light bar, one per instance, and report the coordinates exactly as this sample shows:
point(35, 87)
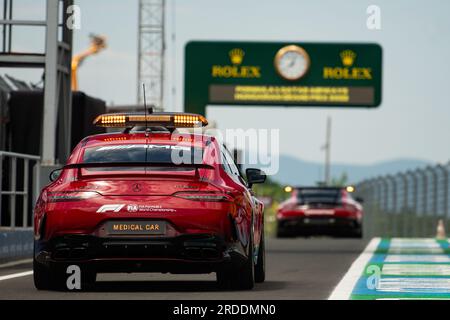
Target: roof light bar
point(164, 119)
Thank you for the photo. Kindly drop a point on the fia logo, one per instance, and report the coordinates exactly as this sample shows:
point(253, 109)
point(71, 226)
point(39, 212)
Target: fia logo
point(132, 208)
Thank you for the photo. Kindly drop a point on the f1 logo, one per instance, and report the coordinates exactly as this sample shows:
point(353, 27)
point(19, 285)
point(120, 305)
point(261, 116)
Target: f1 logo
point(110, 207)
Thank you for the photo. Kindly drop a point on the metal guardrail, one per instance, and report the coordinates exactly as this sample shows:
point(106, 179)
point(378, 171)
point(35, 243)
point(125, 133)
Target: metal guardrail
point(407, 204)
point(13, 193)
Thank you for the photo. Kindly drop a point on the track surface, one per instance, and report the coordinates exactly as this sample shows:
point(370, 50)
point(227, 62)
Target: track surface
point(297, 269)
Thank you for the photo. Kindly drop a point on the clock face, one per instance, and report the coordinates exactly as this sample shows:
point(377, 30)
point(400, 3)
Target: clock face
point(292, 62)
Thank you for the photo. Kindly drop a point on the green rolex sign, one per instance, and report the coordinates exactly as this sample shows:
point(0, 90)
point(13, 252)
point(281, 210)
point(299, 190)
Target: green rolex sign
point(282, 74)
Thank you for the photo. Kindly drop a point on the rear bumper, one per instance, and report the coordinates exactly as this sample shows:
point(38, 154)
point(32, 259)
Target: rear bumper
point(318, 225)
point(200, 253)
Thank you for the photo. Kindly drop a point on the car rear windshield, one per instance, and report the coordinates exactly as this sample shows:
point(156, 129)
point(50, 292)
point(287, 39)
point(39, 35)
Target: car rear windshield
point(317, 195)
point(150, 153)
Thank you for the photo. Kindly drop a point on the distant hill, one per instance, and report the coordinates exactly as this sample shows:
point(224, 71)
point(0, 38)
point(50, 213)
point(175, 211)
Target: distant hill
point(294, 171)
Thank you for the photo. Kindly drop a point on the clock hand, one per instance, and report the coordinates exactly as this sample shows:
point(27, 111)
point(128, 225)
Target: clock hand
point(292, 62)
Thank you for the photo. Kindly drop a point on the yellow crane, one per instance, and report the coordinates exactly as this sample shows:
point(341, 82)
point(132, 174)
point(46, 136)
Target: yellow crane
point(98, 43)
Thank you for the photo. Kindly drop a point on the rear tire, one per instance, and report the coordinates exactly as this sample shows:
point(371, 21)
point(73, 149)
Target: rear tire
point(42, 276)
point(357, 234)
point(55, 278)
point(88, 278)
point(242, 278)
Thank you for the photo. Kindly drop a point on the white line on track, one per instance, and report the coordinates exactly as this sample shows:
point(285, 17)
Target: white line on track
point(16, 275)
point(418, 269)
point(15, 263)
point(345, 287)
point(415, 285)
point(430, 258)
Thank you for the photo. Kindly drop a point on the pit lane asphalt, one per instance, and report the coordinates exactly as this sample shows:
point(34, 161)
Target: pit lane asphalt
point(296, 269)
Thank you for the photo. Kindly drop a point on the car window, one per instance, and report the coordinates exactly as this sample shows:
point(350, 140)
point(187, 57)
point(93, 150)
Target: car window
point(317, 195)
point(151, 153)
point(225, 164)
point(231, 163)
point(138, 153)
point(234, 170)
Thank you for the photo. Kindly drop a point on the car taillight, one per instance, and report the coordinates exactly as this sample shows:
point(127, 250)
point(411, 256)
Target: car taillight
point(203, 196)
point(66, 196)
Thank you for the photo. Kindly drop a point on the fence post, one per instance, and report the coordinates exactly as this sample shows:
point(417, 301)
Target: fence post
point(25, 195)
point(391, 187)
point(434, 197)
point(382, 207)
point(423, 196)
point(410, 203)
point(1, 186)
point(13, 185)
point(404, 205)
point(380, 217)
point(446, 188)
point(12, 193)
point(416, 204)
point(370, 213)
point(37, 183)
point(395, 214)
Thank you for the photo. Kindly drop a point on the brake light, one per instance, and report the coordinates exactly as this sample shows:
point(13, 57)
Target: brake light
point(203, 196)
point(66, 196)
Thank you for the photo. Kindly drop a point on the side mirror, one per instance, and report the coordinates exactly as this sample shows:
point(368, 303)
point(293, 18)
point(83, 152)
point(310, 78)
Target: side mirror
point(255, 176)
point(55, 174)
point(359, 199)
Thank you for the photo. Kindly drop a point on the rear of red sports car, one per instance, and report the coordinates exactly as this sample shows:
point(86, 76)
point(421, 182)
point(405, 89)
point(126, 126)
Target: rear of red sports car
point(320, 211)
point(108, 212)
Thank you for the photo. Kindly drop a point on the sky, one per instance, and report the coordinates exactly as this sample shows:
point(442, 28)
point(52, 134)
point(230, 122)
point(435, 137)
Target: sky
point(413, 120)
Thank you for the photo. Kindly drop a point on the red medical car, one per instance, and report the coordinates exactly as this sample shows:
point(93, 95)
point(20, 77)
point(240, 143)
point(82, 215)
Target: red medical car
point(320, 211)
point(150, 199)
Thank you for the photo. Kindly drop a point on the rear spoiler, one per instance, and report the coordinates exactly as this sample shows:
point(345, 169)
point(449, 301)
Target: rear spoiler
point(137, 164)
point(194, 166)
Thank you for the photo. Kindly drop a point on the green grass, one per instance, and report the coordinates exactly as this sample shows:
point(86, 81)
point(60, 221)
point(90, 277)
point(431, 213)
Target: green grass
point(270, 223)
